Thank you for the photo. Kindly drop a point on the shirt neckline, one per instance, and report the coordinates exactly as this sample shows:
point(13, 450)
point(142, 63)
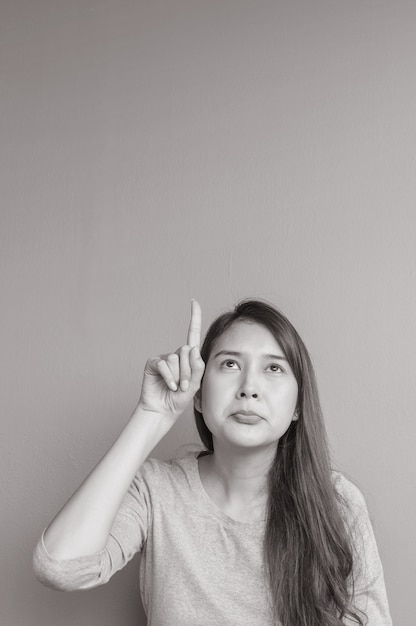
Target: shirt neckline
point(200, 489)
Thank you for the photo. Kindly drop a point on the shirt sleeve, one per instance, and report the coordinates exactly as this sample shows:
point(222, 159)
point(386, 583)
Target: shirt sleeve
point(369, 591)
point(127, 537)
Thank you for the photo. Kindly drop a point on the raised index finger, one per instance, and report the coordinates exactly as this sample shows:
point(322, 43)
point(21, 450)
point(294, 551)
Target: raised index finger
point(194, 331)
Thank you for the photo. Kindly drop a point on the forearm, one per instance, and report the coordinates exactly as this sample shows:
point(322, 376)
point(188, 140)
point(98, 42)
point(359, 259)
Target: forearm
point(83, 524)
point(170, 382)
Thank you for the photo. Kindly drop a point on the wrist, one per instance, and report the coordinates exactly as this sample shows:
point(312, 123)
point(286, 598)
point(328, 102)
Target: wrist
point(152, 422)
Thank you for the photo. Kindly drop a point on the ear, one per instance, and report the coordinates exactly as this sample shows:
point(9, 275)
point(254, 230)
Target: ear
point(197, 401)
point(295, 415)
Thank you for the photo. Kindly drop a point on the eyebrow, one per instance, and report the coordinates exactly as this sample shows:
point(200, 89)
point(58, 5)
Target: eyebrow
point(239, 354)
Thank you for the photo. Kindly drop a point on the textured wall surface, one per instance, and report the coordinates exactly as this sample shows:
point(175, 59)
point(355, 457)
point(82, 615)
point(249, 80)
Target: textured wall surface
point(156, 151)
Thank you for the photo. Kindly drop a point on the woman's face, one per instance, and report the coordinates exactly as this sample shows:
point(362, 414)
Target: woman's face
point(249, 392)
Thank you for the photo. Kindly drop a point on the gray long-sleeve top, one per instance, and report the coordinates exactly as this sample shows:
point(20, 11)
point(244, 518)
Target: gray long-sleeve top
point(198, 566)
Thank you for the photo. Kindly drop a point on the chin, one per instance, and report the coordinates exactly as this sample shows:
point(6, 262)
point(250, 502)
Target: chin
point(250, 443)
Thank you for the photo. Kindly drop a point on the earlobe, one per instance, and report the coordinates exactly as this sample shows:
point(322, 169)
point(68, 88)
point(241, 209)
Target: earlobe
point(197, 401)
point(295, 416)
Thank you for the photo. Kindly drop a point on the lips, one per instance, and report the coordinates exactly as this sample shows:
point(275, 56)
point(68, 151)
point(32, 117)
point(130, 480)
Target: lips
point(246, 412)
point(246, 417)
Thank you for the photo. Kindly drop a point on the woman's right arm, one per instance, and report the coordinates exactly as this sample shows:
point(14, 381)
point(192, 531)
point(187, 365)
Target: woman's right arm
point(83, 525)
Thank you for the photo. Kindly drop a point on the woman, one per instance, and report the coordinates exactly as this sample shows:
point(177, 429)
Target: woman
point(256, 530)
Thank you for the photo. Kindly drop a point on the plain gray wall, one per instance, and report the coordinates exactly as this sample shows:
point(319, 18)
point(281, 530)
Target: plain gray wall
point(156, 151)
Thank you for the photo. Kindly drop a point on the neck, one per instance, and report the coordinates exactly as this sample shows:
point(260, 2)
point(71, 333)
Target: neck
point(237, 480)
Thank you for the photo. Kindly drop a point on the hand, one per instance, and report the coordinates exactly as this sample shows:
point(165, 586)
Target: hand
point(171, 380)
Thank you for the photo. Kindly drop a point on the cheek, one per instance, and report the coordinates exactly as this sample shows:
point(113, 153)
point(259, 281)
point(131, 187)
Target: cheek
point(292, 397)
point(292, 392)
point(215, 391)
point(287, 398)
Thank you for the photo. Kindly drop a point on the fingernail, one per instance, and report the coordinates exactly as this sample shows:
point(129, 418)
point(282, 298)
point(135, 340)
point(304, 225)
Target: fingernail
point(185, 385)
point(173, 386)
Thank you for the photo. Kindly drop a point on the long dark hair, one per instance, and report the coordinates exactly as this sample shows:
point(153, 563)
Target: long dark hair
point(307, 550)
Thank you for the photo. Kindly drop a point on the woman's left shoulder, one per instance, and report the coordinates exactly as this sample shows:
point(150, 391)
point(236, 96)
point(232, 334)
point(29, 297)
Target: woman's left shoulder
point(348, 493)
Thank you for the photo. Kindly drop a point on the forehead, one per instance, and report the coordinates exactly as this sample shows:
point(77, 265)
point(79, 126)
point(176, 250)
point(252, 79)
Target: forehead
point(250, 337)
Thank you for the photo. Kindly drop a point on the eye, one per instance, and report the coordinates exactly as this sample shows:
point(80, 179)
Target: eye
point(229, 364)
point(275, 367)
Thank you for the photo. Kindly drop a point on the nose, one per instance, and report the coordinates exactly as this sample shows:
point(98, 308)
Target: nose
point(248, 387)
point(244, 394)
